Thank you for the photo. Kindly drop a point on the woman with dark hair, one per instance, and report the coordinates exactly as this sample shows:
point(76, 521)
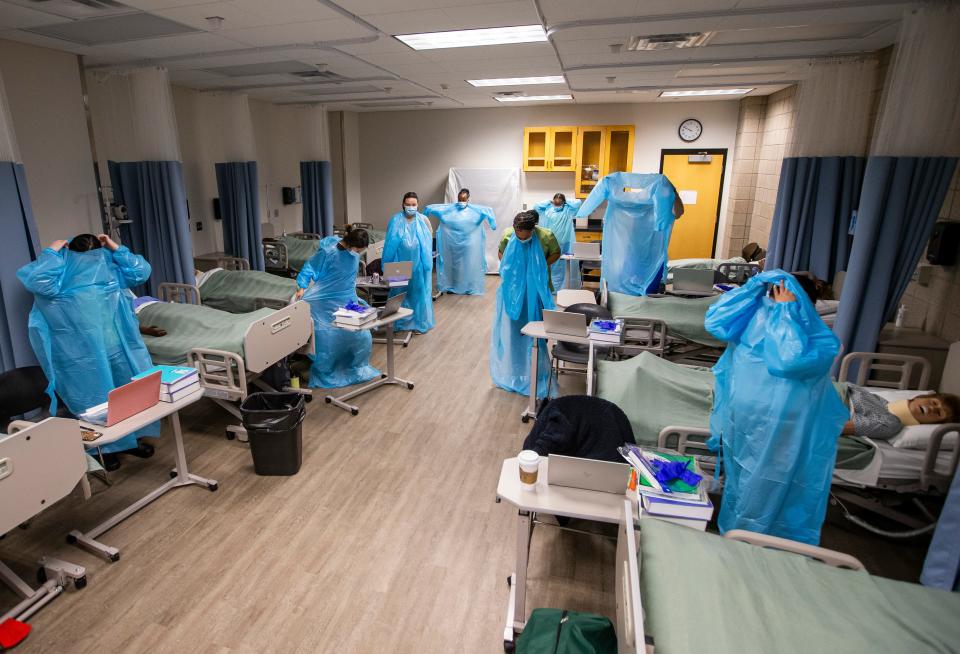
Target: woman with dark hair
point(558, 215)
point(524, 293)
point(82, 327)
point(410, 238)
point(328, 282)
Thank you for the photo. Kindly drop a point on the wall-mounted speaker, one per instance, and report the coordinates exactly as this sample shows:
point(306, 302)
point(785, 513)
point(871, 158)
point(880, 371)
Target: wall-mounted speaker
point(944, 244)
point(216, 209)
point(290, 194)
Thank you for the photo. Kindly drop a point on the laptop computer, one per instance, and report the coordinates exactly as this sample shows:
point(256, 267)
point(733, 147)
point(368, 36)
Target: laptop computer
point(566, 323)
point(392, 305)
point(126, 401)
point(586, 250)
point(690, 281)
point(588, 474)
point(398, 270)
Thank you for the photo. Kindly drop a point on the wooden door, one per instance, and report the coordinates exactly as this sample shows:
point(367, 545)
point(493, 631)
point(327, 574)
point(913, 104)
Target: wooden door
point(698, 177)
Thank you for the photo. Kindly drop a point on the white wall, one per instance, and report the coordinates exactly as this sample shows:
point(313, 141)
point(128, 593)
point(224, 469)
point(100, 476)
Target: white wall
point(43, 89)
point(413, 150)
point(354, 172)
point(278, 164)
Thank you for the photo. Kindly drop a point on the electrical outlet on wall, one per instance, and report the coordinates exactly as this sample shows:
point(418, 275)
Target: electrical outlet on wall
point(199, 226)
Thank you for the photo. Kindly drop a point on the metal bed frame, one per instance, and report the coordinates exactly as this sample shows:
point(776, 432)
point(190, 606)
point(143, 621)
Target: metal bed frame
point(275, 257)
point(227, 376)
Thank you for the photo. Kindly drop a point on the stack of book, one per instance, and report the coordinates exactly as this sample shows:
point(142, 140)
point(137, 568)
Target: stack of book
point(176, 382)
point(344, 317)
point(606, 331)
point(675, 501)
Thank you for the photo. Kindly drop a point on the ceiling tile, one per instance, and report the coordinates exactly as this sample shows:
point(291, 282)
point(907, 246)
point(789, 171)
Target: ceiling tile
point(14, 17)
point(308, 32)
point(501, 14)
point(414, 22)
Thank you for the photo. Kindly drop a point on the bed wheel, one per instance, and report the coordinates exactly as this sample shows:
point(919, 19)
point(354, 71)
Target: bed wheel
point(173, 474)
point(354, 412)
point(508, 646)
point(382, 376)
point(80, 583)
point(41, 576)
point(327, 399)
point(525, 419)
point(212, 487)
point(410, 386)
point(114, 557)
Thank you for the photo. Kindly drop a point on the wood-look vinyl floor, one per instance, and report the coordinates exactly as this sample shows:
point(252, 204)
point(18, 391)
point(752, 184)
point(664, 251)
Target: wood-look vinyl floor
point(388, 540)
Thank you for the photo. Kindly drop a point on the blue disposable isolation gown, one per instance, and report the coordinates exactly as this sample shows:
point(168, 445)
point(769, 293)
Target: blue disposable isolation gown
point(776, 413)
point(410, 240)
point(559, 220)
point(83, 328)
point(342, 357)
point(636, 229)
point(523, 294)
point(461, 241)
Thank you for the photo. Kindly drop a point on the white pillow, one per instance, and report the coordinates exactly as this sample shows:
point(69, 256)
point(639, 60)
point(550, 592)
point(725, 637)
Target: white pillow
point(915, 437)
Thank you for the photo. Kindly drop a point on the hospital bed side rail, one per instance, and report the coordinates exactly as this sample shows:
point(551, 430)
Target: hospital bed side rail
point(630, 614)
point(233, 263)
point(177, 293)
point(275, 255)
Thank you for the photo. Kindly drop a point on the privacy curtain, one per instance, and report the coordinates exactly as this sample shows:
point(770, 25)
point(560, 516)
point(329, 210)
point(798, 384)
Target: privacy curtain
point(156, 202)
point(21, 246)
point(816, 202)
point(899, 203)
point(239, 203)
point(316, 184)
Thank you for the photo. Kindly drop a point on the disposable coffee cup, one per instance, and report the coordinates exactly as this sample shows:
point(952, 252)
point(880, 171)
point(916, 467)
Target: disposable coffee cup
point(529, 469)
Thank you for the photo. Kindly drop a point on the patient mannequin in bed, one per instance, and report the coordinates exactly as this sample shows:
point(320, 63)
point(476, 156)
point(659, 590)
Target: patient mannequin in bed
point(873, 417)
point(148, 330)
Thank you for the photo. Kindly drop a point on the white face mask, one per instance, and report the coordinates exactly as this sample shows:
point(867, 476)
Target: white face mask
point(462, 205)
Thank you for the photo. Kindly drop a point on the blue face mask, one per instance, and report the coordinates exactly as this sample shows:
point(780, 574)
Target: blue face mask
point(462, 205)
point(410, 211)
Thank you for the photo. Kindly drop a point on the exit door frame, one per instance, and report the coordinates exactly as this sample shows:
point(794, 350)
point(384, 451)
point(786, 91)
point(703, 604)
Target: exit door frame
point(723, 172)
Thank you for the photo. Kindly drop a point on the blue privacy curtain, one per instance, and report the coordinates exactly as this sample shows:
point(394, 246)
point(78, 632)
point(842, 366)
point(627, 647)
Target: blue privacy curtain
point(21, 246)
point(156, 202)
point(240, 209)
point(815, 204)
point(316, 183)
point(899, 204)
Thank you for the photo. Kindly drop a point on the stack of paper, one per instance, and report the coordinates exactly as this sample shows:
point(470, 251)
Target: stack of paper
point(676, 500)
point(606, 331)
point(175, 381)
point(349, 318)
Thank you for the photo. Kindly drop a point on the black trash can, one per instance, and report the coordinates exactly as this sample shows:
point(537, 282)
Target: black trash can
point(274, 423)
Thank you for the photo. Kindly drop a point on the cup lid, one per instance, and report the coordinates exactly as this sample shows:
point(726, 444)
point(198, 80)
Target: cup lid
point(528, 456)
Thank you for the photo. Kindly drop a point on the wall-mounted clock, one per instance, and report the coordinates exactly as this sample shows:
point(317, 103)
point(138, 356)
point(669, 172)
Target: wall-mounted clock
point(690, 130)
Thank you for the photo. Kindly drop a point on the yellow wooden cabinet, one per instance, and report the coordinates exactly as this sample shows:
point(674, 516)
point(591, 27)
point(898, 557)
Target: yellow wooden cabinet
point(551, 149)
point(601, 150)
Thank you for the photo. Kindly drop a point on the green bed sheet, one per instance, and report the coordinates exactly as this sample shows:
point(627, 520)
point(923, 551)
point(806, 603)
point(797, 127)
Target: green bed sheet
point(684, 316)
point(704, 593)
point(237, 291)
point(656, 393)
point(189, 326)
point(376, 235)
point(299, 250)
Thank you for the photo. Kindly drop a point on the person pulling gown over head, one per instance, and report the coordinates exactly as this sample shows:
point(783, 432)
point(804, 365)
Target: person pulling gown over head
point(410, 238)
point(461, 244)
point(558, 216)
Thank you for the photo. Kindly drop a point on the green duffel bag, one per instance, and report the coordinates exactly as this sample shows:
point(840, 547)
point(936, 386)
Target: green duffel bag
point(555, 631)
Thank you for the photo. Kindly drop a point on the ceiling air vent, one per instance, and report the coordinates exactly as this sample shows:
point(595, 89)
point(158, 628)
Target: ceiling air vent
point(320, 76)
point(75, 8)
point(670, 41)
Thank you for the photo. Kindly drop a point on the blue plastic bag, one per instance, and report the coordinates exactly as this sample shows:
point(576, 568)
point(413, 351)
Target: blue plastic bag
point(411, 240)
point(559, 220)
point(342, 357)
point(523, 294)
point(83, 328)
point(636, 229)
point(776, 414)
point(461, 243)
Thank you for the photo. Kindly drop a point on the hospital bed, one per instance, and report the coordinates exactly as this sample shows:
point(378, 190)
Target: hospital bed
point(40, 464)
point(286, 254)
point(234, 290)
point(231, 351)
point(735, 269)
point(680, 590)
point(669, 406)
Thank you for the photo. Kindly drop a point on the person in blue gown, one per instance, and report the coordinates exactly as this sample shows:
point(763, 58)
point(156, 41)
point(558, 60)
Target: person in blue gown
point(410, 238)
point(776, 414)
point(461, 244)
point(524, 292)
point(558, 215)
point(83, 328)
point(327, 282)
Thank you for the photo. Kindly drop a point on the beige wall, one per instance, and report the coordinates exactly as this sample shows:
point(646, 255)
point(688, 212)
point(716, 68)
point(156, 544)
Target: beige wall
point(43, 89)
point(414, 150)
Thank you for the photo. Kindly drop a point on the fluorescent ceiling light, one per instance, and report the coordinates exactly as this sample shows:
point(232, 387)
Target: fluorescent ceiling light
point(468, 38)
point(696, 92)
point(518, 81)
point(532, 98)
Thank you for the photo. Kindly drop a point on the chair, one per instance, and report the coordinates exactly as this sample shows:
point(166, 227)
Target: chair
point(567, 297)
point(573, 352)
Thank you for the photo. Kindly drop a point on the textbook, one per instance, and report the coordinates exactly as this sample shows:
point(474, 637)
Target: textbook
point(173, 378)
point(693, 523)
point(354, 318)
point(606, 331)
point(663, 507)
